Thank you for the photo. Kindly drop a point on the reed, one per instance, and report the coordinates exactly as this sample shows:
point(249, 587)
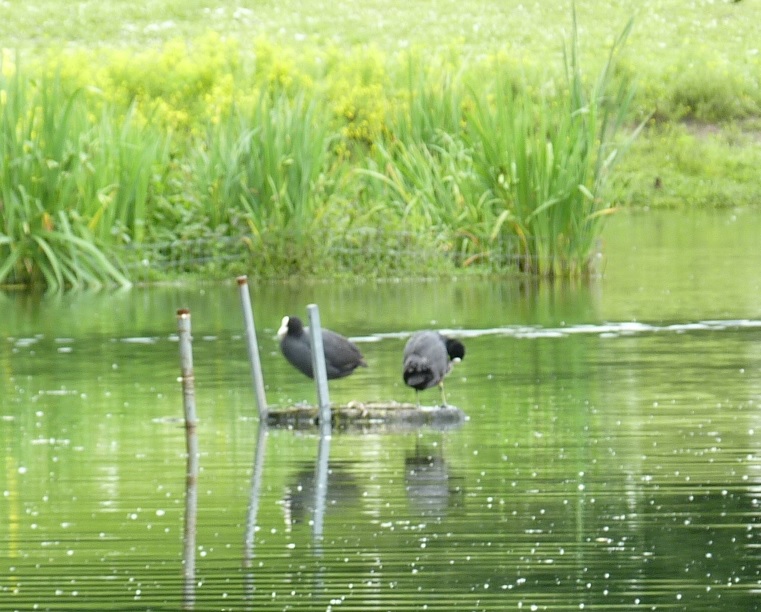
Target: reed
point(544, 162)
point(45, 177)
point(432, 102)
point(507, 174)
point(430, 188)
point(463, 159)
point(130, 161)
point(258, 171)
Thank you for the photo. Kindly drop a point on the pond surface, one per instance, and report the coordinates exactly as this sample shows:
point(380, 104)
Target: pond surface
point(611, 460)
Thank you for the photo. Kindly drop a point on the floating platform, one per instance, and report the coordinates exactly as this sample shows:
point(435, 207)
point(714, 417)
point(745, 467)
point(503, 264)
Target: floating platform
point(371, 416)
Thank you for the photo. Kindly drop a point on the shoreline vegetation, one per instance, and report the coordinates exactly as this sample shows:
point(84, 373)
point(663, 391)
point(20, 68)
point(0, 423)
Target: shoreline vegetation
point(216, 154)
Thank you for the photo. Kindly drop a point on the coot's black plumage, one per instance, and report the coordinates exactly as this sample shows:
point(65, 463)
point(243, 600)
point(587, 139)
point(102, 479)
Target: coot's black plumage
point(341, 356)
point(428, 357)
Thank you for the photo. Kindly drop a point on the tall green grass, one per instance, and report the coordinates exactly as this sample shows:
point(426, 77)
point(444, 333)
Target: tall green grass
point(258, 173)
point(545, 160)
point(469, 163)
point(128, 163)
point(505, 173)
point(75, 180)
point(433, 102)
point(45, 174)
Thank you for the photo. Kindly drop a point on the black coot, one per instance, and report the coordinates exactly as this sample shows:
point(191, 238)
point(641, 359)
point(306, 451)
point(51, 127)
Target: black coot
point(341, 356)
point(428, 357)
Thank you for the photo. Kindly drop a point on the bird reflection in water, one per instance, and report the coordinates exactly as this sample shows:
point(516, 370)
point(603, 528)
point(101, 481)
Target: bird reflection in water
point(431, 489)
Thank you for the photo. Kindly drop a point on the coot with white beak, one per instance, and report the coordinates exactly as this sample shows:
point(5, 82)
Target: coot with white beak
point(342, 357)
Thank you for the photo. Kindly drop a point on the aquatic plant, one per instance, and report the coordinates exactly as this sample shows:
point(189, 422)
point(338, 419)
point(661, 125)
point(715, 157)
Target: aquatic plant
point(47, 181)
point(544, 161)
point(258, 173)
point(297, 152)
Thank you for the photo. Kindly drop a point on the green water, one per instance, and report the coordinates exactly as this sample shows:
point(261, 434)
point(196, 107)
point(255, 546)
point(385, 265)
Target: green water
point(611, 460)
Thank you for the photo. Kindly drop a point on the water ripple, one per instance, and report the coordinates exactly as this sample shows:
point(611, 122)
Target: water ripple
point(607, 330)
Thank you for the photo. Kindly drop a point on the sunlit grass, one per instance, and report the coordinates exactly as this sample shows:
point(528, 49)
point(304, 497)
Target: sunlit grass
point(687, 166)
point(680, 48)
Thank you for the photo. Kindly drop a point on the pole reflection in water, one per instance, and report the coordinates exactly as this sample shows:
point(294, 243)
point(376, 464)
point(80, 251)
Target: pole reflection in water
point(301, 494)
point(320, 491)
point(189, 536)
point(320, 496)
point(253, 508)
point(430, 487)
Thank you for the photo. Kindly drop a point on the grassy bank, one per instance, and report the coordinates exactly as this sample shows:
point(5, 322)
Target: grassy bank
point(307, 143)
point(698, 58)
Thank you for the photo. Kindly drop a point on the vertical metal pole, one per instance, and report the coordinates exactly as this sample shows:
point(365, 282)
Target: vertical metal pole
point(191, 439)
point(318, 367)
point(253, 348)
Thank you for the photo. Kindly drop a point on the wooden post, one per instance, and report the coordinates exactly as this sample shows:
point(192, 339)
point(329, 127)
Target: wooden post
point(191, 440)
point(253, 348)
point(318, 368)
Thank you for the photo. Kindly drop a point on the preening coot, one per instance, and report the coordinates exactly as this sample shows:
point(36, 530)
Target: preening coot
point(341, 356)
point(428, 357)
